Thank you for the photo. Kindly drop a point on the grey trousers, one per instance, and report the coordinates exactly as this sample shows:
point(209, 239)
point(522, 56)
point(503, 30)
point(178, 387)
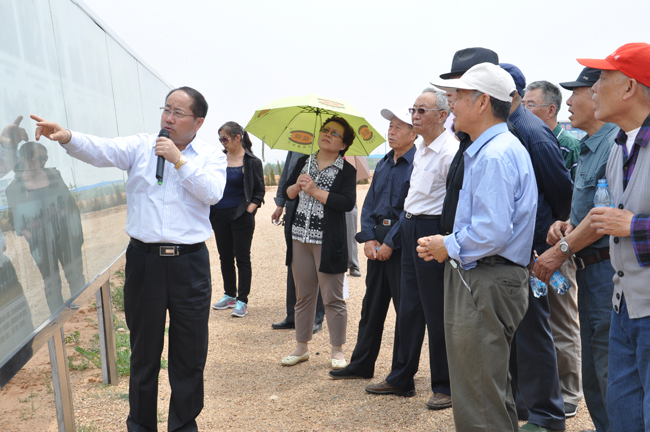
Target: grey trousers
point(351, 220)
point(305, 263)
point(479, 328)
point(566, 335)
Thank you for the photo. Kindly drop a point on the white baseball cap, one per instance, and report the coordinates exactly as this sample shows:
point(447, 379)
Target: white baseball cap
point(388, 115)
point(487, 78)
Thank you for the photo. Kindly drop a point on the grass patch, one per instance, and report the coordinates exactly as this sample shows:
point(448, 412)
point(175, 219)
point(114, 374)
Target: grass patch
point(117, 291)
point(72, 338)
point(87, 428)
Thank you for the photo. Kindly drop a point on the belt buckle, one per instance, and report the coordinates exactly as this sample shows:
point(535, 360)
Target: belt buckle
point(580, 264)
point(169, 251)
point(408, 215)
point(386, 222)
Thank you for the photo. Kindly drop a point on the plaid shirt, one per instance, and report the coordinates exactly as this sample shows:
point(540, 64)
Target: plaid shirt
point(640, 228)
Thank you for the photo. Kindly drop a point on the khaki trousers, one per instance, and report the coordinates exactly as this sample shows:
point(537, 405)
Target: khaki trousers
point(479, 328)
point(566, 335)
point(305, 263)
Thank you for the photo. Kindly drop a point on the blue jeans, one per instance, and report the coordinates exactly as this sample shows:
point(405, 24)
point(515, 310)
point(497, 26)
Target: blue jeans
point(628, 388)
point(595, 288)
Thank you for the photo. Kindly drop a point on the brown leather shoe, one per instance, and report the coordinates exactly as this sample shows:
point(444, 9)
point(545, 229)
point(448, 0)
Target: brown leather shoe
point(383, 388)
point(439, 401)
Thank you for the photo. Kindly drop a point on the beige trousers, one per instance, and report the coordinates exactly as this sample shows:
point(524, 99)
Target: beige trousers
point(305, 263)
point(566, 335)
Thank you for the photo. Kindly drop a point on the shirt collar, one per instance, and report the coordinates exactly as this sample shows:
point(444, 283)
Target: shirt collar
point(485, 137)
point(558, 130)
point(642, 137)
point(437, 143)
point(407, 157)
point(594, 141)
point(195, 144)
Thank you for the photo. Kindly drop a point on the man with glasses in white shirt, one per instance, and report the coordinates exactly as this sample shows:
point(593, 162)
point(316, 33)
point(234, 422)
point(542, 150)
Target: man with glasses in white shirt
point(167, 261)
point(422, 287)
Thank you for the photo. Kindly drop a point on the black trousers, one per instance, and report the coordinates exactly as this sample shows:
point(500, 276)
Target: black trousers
point(291, 301)
point(234, 238)
point(383, 280)
point(421, 307)
point(154, 285)
point(533, 367)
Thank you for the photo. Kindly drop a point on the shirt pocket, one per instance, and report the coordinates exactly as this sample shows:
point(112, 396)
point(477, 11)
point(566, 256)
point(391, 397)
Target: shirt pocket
point(398, 196)
point(585, 185)
point(429, 182)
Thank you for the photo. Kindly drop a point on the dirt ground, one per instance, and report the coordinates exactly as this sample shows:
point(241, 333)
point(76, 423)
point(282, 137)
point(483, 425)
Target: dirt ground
point(246, 388)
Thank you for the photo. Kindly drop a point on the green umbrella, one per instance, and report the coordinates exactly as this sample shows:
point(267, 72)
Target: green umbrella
point(290, 124)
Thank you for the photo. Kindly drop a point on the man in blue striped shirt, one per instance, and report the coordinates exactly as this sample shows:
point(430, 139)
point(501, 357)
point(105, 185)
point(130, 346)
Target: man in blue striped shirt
point(380, 231)
point(534, 367)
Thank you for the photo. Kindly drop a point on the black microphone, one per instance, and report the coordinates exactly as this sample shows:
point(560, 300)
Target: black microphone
point(161, 160)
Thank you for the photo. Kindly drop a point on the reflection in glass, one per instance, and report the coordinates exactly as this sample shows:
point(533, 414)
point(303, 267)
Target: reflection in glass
point(43, 211)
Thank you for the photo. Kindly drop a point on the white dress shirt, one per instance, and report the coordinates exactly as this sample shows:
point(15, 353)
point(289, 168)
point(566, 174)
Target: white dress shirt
point(429, 176)
point(175, 212)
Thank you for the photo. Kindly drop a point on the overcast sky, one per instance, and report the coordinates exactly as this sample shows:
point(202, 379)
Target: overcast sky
point(373, 54)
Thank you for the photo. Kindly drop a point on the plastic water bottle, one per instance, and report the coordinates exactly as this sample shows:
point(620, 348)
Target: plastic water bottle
point(603, 197)
point(559, 283)
point(538, 287)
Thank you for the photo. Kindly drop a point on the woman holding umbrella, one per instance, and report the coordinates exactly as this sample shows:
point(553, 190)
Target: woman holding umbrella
point(325, 186)
point(233, 218)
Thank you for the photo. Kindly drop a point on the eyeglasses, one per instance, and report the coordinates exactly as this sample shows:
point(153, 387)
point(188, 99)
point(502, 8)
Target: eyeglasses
point(530, 105)
point(39, 158)
point(176, 113)
point(334, 133)
point(421, 111)
point(224, 140)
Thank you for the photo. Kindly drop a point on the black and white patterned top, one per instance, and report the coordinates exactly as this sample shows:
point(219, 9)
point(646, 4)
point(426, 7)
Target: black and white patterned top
point(308, 221)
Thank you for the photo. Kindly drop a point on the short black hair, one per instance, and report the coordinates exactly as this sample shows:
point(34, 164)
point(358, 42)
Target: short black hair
point(199, 105)
point(500, 109)
point(348, 132)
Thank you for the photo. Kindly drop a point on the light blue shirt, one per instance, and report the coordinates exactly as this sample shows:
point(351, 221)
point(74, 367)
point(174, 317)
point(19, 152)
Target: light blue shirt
point(175, 212)
point(498, 201)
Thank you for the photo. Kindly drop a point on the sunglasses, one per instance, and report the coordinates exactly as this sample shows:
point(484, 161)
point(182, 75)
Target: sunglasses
point(334, 133)
point(225, 140)
point(421, 111)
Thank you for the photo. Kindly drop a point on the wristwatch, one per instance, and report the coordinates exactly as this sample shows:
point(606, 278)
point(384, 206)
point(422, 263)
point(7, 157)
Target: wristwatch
point(564, 247)
point(182, 161)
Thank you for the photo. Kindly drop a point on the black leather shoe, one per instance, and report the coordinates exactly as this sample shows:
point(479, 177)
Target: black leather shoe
point(345, 374)
point(283, 325)
point(317, 328)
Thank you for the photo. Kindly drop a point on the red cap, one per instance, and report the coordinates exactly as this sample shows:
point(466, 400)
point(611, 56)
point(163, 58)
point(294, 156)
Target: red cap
point(631, 59)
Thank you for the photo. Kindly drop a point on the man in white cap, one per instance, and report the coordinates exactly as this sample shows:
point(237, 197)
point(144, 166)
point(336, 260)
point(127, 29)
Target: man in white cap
point(486, 281)
point(380, 231)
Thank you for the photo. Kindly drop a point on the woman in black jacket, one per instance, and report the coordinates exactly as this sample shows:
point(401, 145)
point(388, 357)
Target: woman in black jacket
point(233, 218)
point(325, 186)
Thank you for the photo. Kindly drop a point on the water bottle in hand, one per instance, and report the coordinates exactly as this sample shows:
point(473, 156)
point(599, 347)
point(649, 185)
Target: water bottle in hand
point(603, 197)
point(538, 287)
point(559, 283)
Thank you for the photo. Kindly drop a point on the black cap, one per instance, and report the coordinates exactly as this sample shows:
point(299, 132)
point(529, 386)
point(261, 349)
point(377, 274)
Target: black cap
point(587, 78)
point(468, 57)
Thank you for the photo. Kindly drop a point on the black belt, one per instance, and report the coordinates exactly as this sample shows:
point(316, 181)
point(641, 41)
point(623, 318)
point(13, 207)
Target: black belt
point(599, 255)
point(497, 260)
point(163, 249)
point(412, 216)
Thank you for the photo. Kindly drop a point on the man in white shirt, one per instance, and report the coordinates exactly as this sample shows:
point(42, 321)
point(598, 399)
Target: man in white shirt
point(167, 262)
point(422, 287)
